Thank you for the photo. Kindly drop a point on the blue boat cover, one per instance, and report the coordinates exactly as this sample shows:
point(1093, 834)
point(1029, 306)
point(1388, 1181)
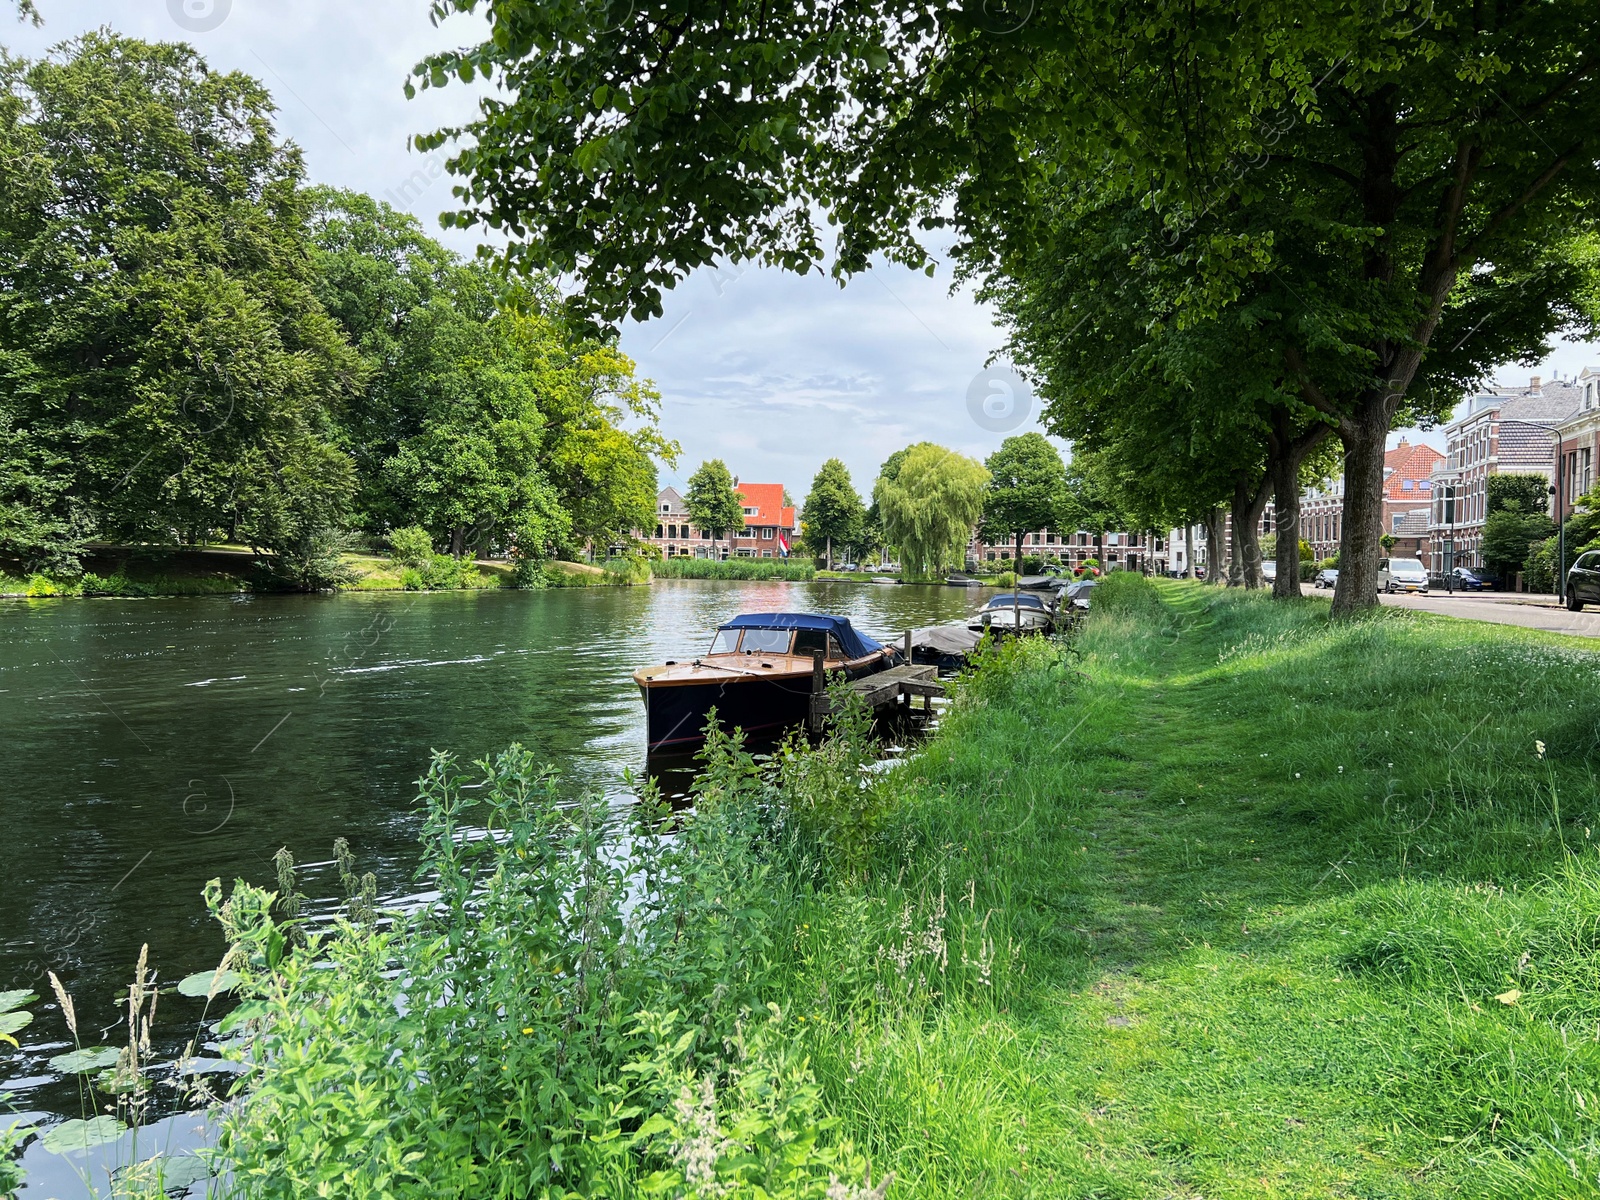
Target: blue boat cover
point(854, 644)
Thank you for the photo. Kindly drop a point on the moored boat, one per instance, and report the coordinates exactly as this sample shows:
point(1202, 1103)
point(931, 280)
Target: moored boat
point(1014, 612)
point(758, 675)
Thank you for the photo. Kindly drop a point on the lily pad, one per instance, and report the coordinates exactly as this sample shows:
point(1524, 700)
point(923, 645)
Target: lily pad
point(207, 983)
point(172, 1171)
point(16, 999)
point(70, 1137)
point(10, 1022)
point(83, 1062)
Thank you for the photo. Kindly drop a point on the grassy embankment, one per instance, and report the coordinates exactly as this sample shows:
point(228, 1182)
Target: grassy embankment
point(167, 571)
point(1225, 901)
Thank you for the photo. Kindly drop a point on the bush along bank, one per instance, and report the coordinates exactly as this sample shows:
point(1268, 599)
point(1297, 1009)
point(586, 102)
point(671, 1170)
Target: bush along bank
point(1222, 899)
point(794, 569)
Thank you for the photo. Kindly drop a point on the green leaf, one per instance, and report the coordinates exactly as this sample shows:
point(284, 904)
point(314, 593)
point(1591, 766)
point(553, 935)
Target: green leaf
point(16, 999)
point(82, 1062)
point(73, 1136)
point(12, 1021)
point(201, 982)
point(249, 1011)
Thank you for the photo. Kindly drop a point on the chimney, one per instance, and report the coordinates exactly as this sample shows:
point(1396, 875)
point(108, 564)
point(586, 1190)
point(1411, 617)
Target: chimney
point(1534, 386)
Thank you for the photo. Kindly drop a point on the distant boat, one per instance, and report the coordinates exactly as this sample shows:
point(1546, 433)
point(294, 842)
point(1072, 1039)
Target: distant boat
point(884, 579)
point(1014, 612)
point(957, 579)
point(758, 675)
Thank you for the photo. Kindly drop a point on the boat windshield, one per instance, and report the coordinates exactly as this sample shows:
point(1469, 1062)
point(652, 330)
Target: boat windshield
point(1018, 601)
point(766, 641)
point(726, 642)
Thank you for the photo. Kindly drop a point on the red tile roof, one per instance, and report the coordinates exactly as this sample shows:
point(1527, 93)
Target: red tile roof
point(767, 499)
point(1404, 462)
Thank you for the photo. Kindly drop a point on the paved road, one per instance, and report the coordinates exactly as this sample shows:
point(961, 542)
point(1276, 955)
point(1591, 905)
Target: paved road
point(1503, 608)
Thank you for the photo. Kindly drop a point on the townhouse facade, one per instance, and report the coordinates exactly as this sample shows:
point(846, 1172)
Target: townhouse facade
point(1408, 472)
point(1580, 444)
point(1500, 431)
point(769, 526)
point(1125, 551)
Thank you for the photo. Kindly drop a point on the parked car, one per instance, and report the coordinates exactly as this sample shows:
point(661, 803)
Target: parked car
point(1466, 580)
point(1269, 569)
point(848, 567)
point(1326, 578)
point(1583, 581)
point(1402, 575)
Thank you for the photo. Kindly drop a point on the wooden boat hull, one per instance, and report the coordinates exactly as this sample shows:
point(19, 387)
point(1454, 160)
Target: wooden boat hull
point(764, 705)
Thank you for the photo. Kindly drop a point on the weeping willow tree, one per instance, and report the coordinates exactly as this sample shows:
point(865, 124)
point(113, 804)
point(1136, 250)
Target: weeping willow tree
point(929, 504)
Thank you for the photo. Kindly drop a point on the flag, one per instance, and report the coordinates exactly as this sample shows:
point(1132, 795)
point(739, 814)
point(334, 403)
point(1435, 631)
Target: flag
point(783, 543)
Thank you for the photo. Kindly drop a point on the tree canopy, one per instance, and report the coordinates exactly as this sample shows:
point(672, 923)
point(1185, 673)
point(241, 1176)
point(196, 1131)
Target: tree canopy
point(194, 345)
point(1369, 206)
point(833, 513)
point(1027, 488)
point(712, 501)
point(930, 506)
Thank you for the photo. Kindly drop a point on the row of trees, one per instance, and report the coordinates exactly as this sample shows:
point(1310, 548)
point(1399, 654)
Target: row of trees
point(928, 500)
point(1224, 240)
point(196, 346)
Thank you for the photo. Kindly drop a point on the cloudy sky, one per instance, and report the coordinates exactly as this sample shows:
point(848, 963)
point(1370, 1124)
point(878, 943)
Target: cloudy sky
point(770, 372)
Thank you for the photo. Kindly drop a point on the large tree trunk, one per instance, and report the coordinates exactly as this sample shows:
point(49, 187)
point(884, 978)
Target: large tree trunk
point(1216, 546)
point(1248, 505)
point(1188, 551)
point(1364, 435)
point(1288, 453)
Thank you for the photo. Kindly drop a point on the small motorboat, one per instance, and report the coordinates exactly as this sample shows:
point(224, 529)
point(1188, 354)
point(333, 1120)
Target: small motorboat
point(1014, 612)
point(758, 675)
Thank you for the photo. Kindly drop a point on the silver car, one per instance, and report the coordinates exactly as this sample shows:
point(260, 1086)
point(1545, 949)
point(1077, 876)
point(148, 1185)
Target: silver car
point(1402, 575)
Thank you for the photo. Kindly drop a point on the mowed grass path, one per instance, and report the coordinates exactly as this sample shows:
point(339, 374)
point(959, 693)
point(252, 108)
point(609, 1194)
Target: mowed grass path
point(1280, 909)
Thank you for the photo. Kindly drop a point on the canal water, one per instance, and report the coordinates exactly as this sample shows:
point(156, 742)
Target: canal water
point(147, 746)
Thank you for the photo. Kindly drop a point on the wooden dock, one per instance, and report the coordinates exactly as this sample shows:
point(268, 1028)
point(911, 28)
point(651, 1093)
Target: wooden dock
point(885, 690)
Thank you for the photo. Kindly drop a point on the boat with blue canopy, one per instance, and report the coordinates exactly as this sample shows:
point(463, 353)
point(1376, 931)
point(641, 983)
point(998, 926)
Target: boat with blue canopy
point(759, 674)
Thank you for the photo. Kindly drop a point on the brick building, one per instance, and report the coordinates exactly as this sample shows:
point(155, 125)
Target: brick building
point(1127, 551)
point(1407, 489)
point(1580, 436)
point(768, 525)
point(1502, 431)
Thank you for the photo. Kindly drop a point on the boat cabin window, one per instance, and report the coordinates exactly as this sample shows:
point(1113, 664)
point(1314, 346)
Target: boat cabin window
point(808, 641)
point(726, 642)
point(766, 641)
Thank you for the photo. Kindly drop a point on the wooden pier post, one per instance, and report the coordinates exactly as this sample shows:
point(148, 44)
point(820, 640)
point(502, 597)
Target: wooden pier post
point(819, 690)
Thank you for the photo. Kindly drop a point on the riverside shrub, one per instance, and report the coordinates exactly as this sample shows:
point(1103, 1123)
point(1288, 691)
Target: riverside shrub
point(582, 1009)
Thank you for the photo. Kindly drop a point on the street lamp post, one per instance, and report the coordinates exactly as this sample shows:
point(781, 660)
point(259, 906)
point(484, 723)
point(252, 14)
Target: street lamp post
point(1561, 524)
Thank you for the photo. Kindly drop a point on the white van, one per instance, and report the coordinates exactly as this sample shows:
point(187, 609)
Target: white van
point(1402, 575)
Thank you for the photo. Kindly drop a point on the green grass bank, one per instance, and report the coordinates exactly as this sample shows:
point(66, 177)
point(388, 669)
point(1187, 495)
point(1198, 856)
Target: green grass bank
point(169, 571)
point(1221, 900)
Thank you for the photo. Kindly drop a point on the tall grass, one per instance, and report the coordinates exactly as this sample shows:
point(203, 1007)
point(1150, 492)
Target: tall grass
point(734, 568)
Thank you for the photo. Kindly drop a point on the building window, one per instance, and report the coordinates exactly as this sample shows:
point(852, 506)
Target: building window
point(659, 533)
point(766, 535)
point(750, 512)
